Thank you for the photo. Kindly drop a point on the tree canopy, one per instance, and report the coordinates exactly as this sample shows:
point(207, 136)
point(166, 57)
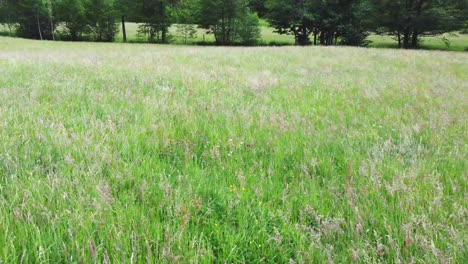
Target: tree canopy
point(231, 22)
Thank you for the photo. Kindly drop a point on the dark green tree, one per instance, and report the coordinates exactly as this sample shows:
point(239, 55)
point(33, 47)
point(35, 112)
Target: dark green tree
point(329, 21)
point(156, 17)
point(32, 18)
point(102, 16)
point(294, 17)
point(8, 15)
point(409, 20)
point(186, 15)
point(230, 21)
point(73, 16)
point(126, 9)
point(258, 6)
point(354, 21)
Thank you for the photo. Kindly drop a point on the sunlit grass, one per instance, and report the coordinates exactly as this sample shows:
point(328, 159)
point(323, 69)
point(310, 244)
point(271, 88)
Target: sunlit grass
point(121, 153)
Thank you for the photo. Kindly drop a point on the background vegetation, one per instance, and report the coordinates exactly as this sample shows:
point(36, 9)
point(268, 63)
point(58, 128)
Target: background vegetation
point(238, 22)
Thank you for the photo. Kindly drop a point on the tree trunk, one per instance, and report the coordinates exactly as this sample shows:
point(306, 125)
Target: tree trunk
point(124, 31)
point(223, 28)
point(51, 18)
point(38, 24)
point(229, 28)
point(329, 38)
point(399, 39)
point(406, 38)
point(163, 16)
point(52, 29)
point(9, 28)
point(304, 34)
point(414, 39)
point(315, 37)
point(415, 36)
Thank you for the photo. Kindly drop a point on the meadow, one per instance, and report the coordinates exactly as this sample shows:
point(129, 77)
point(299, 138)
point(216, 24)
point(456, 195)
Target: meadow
point(128, 153)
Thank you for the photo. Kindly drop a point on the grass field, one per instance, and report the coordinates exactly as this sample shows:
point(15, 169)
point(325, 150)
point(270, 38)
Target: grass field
point(146, 153)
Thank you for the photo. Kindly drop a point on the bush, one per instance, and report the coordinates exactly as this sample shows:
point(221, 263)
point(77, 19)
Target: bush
point(238, 26)
point(248, 30)
point(354, 37)
point(102, 16)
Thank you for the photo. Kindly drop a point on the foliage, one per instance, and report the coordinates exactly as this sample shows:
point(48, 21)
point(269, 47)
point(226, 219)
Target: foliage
point(411, 19)
point(230, 21)
point(102, 17)
point(74, 18)
point(186, 32)
point(326, 20)
point(7, 15)
point(293, 17)
point(186, 15)
point(259, 6)
point(156, 17)
point(32, 18)
point(248, 31)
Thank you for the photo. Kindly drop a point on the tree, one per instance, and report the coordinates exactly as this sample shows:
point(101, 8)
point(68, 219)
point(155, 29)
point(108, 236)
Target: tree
point(7, 14)
point(293, 17)
point(258, 6)
point(186, 32)
point(102, 16)
point(327, 20)
point(31, 18)
point(354, 21)
point(186, 15)
point(156, 17)
point(73, 16)
point(408, 20)
point(248, 31)
point(126, 9)
point(50, 11)
point(230, 21)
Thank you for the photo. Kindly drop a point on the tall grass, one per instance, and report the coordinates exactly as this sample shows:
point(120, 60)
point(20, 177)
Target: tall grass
point(146, 153)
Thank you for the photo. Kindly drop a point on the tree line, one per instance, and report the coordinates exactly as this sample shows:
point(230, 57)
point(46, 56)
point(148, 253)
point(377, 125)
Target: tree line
point(231, 22)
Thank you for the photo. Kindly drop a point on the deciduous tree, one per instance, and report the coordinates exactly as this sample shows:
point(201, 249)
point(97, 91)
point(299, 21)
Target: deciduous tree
point(408, 20)
point(230, 21)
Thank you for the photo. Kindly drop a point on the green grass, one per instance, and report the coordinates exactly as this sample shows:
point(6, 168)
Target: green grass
point(147, 153)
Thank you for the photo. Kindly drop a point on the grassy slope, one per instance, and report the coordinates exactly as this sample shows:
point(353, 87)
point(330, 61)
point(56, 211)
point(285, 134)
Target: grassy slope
point(121, 153)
